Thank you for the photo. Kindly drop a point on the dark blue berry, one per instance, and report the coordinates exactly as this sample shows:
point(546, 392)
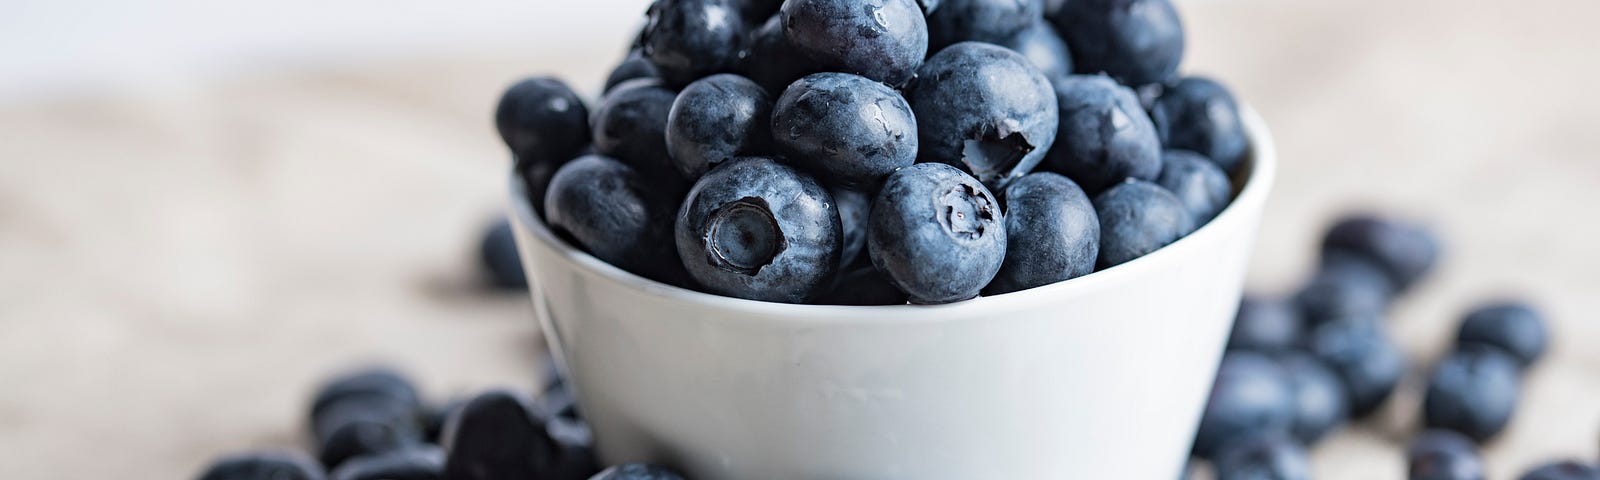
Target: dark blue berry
point(863, 285)
point(1265, 456)
point(992, 21)
point(1266, 325)
point(1368, 362)
point(1044, 48)
point(757, 11)
point(757, 229)
point(1513, 327)
point(1405, 252)
point(984, 109)
point(498, 255)
point(1473, 391)
point(853, 208)
point(417, 463)
point(1564, 470)
point(1321, 403)
point(364, 425)
point(374, 382)
point(690, 39)
point(884, 40)
point(1136, 41)
point(717, 118)
point(269, 465)
point(495, 435)
point(616, 214)
point(1345, 286)
point(1197, 181)
point(637, 471)
point(772, 61)
point(633, 66)
point(1136, 218)
point(1251, 394)
point(631, 125)
point(849, 130)
point(1105, 136)
point(937, 233)
point(542, 120)
point(1052, 233)
point(1443, 455)
point(1200, 115)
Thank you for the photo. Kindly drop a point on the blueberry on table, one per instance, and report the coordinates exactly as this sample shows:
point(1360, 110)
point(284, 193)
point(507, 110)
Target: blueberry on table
point(1250, 395)
point(1200, 115)
point(772, 61)
point(417, 463)
point(1368, 362)
point(716, 118)
point(631, 125)
point(1565, 470)
point(1443, 455)
point(1405, 252)
point(1266, 325)
point(495, 435)
point(637, 471)
point(1513, 327)
point(937, 233)
point(1321, 404)
point(1052, 233)
point(1137, 41)
point(853, 207)
point(862, 286)
point(1136, 218)
point(690, 39)
point(362, 426)
point(542, 120)
point(1104, 137)
point(1042, 46)
point(1345, 286)
point(379, 382)
point(616, 214)
point(1263, 456)
point(847, 129)
point(1197, 181)
point(268, 465)
point(992, 21)
point(884, 40)
point(984, 109)
point(498, 255)
point(757, 229)
point(633, 66)
point(1473, 391)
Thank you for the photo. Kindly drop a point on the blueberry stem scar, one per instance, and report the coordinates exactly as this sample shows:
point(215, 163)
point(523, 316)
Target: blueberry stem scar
point(744, 236)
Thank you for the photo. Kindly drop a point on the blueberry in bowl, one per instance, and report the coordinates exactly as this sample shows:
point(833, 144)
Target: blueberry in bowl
point(984, 109)
point(937, 233)
point(885, 40)
point(848, 129)
point(1105, 135)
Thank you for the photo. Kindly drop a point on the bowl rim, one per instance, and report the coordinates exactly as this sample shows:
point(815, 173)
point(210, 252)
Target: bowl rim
point(1260, 171)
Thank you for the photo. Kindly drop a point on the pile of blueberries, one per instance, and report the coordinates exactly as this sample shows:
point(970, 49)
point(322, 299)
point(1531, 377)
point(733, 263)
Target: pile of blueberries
point(1297, 369)
point(373, 425)
point(875, 152)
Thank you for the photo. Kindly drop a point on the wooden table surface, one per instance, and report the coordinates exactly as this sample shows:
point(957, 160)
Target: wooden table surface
point(183, 264)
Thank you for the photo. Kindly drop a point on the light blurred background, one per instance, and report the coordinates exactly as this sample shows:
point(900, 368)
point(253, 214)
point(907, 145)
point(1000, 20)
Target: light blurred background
point(205, 207)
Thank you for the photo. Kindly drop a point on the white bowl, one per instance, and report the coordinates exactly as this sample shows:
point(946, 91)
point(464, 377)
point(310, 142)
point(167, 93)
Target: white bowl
point(1102, 376)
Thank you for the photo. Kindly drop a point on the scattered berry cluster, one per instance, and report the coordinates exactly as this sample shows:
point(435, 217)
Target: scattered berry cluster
point(871, 152)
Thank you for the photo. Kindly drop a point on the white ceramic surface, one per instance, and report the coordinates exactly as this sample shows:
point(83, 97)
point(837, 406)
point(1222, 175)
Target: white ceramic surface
point(1099, 377)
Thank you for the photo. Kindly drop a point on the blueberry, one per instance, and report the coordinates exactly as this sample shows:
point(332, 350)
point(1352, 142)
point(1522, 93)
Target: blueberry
point(1268, 456)
point(1345, 286)
point(419, 463)
point(1137, 41)
point(1266, 325)
point(936, 233)
point(1566, 470)
point(1472, 391)
point(1321, 404)
point(1044, 48)
point(1052, 233)
point(884, 40)
point(634, 66)
point(269, 465)
point(1200, 115)
point(372, 382)
point(992, 21)
point(772, 61)
point(716, 118)
point(631, 125)
point(616, 214)
point(495, 435)
point(864, 286)
point(757, 11)
point(1136, 218)
point(848, 129)
point(1251, 394)
point(690, 39)
point(1197, 181)
point(1513, 327)
point(853, 208)
point(1105, 135)
point(364, 425)
point(1405, 252)
point(1368, 362)
point(757, 229)
point(1444, 455)
point(637, 471)
point(984, 109)
point(498, 255)
point(542, 120)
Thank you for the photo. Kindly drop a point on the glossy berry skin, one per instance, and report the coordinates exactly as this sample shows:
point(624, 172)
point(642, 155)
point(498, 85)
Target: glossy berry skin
point(1321, 404)
point(755, 228)
point(631, 125)
point(1250, 395)
point(1368, 362)
point(937, 233)
point(1405, 252)
point(772, 61)
point(634, 66)
point(637, 471)
point(884, 40)
point(984, 109)
point(847, 129)
point(1137, 218)
point(1043, 47)
point(717, 118)
point(1473, 391)
point(1345, 286)
point(1565, 470)
point(1200, 115)
point(1266, 325)
point(1137, 41)
point(1052, 233)
point(616, 214)
point(495, 435)
point(1513, 327)
point(417, 463)
point(1443, 455)
point(853, 207)
point(542, 120)
point(1105, 137)
point(991, 21)
point(269, 465)
point(1266, 456)
point(690, 39)
point(1197, 181)
point(863, 286)
point(497, 252)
